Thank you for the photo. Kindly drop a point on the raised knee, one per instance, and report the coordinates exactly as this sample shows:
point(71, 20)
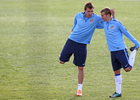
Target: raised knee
point(128, 69)
point(61, 62)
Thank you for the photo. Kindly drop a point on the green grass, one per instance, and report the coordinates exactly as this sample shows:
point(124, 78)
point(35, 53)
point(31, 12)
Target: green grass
point(32, 35)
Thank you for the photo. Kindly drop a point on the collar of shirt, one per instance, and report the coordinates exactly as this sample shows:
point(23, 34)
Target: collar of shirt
point(111, 20)
point(85, 18)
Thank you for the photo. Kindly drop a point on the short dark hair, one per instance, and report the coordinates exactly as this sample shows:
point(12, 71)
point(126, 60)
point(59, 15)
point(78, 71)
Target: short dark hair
point(106, 10)
point(88, 5)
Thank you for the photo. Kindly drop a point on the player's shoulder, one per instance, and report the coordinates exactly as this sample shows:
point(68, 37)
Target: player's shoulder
point(97, 17)
point(116, 21)
point(79, 14)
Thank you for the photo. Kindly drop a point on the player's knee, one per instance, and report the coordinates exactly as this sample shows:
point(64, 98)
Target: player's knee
point(128, 69)
point(81, 68)
point(61, 62)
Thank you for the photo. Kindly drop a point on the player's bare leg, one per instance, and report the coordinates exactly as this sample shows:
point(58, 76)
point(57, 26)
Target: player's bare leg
point(117, 72)
point(80, 75)
point(80, 80)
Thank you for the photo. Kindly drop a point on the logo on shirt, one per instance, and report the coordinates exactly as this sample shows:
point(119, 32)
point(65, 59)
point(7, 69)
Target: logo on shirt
point(91, 20)
point(112, 27)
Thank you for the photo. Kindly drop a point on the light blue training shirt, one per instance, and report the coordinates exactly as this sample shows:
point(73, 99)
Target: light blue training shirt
point(84, 28)
point(114, 31)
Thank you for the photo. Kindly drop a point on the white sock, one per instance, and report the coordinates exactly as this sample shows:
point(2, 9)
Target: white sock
point(118, 81)
point(79, 87)
point(132, 58)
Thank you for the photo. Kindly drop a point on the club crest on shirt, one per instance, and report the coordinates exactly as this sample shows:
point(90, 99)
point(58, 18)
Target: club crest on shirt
point(112, 27)
point(91, 20)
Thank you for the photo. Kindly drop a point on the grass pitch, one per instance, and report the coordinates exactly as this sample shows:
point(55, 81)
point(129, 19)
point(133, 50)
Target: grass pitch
point(32, 35)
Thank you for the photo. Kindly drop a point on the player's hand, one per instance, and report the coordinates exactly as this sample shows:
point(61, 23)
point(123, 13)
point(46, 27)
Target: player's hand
point(113, 13)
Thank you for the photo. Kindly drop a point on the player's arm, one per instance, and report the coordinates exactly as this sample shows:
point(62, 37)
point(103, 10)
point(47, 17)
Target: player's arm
point(75, 22)
point(128, 35)
point(113, 13)
point(100, 25)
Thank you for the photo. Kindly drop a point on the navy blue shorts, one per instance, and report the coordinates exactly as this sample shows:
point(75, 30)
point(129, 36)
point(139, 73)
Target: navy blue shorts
point(119, 59)
point(79, 50)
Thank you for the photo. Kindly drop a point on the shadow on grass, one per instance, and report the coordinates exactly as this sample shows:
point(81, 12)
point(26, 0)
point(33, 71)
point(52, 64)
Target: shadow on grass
point(75, 97)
